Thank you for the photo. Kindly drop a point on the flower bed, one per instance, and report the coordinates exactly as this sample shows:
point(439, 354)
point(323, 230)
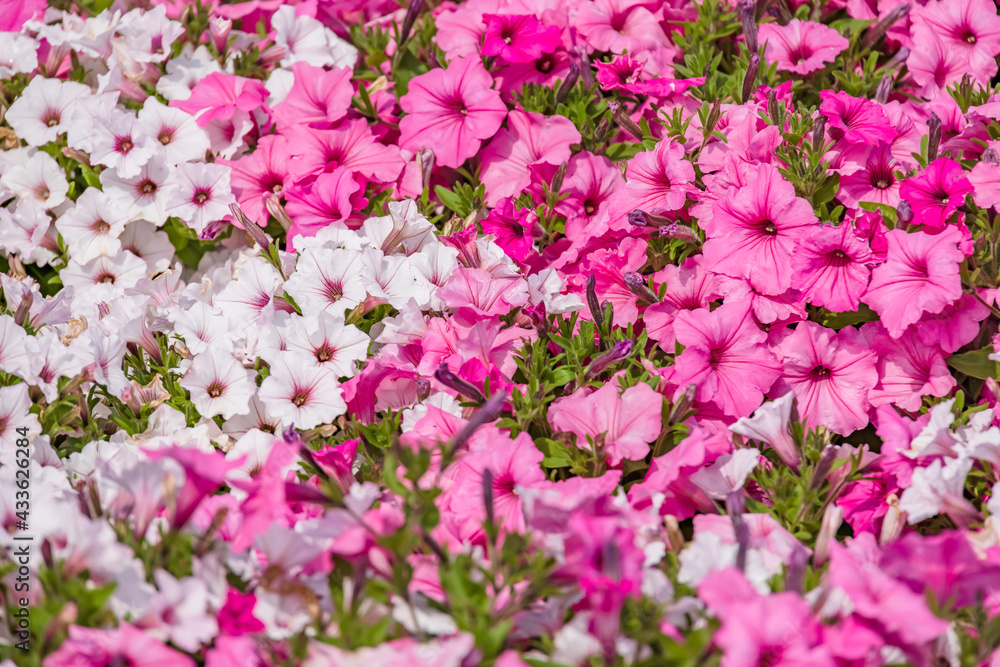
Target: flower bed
point(596, 332)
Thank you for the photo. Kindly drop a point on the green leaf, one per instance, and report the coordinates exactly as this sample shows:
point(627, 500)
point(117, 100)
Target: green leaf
point(840, 320)
point(450, 199)
point(976, 364)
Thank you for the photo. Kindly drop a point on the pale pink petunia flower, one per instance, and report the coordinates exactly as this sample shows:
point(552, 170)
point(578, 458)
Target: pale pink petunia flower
point(178, 133)
point(39, 178)
point(120, 143)
point(39, 115)
point(327, 279)
point(144, 195)
point(770, 425)
point(202, 195)
point(908, 368)
point(92, 227)
point(330, 343)
point(219, 385)
point(626, 421)
point(800, 46)
point(831, 374)
point(619, 26)
point(451, 111)
point(300, 394)
point(920, 275)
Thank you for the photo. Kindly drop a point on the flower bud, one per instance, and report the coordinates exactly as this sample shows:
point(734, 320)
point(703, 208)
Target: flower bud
point(408, 20)
point(773, 110)
point(747, 10)
point(488, 495)
point(933, 137)
point(876, 31)
point(750, 78)
point(596, 312)
point(219, 29)
point(252, 229)
point(212, 230)
point(823, 467)
point(683, 403)
point(636, 284)
point(833, 516)
point(423, 388)
point(796, 570)
point(893, 522)
point(734, 508)
point(425, 158)
point(274, 207)
point(990, 155)
point(884, 89)
point(566, 86)
point(444, 375)
point(488, 412)
point(904, 212)
point(675, 538)
point(819, 133)
point(714, 116)
point(557, 180)
point(678, 231)
point(621, 350)
point(624, 121)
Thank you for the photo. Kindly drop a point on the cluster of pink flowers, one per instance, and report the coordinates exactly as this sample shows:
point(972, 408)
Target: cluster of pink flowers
point(583, 332)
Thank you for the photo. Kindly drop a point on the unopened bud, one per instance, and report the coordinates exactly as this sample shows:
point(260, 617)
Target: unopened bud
point(904, 212)
point(23, 308)
point(76, 154)
point(884, 89)
point(250, 227)
point(933, 137)
point(819, 134)
point(826, 459)
point(219, 29)
point(750, 78)
point(795, 574)
point(747, 9)
point(636, 284)
point(714, 116)
point(423, 386)
point(602, 129)
point(734, 508)
point(876, 31)
point(772, 108)
point(990, 156)
point(488, 495)
point(683, 403)
point(893, 522)
point(833, 516)
point(621, 350)
point(586, 69)
point(567, 85)
point(557, 180)
point(623, 120)
point(409, 19)
point(897, 59)
point(444, 375)
point(675, 538)
point(539, 319)
point(274, 207)
point(677, 231)
point(425, 158)
point(592, 303)
point(487, 413)
point(212, 230)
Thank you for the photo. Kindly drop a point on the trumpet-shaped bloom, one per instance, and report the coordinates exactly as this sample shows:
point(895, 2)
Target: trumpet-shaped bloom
point(801, 46)
point(754, 232)
point(920, 275)
point(628, 421)
point(831, 267)
point(855, 120)
point(518, 38)
point(725, 357)
point(936, 193)
point(831, 374)
point(451, 111)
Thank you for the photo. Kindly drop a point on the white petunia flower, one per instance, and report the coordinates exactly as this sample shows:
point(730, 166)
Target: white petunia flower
point(302, 395)
point(219, 384)
point(39, 115)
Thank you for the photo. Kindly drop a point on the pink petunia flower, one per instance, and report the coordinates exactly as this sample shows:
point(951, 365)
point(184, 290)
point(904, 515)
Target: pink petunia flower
point(126, 645)
point(908, 368)
point(351, 145)
point(855, 119)
point(619, 26)
point(936, 193)
point(518, 38)
point(920, 276)
point(801, 46)
point(970, 28)
point(261, 175)
point(628, 421)
point(688, 287)
point(755, 230)
point(831, 374)
point(512, 228)
point(831, 267)
point(528, 139)
point(725, 357)
point(875, 182)
point(218, 97)
point(451, 111)
point(318, 98)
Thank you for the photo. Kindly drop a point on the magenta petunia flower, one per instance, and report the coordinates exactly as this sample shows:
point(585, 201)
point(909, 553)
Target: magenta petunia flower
point(920, 275)
point(801, 46)
point(831, 267)
point(518, 38)
point(831, 373)
point(260, 175)
point(451, 111)
point(936, 193)
point(855, 119)
point(725, 356)
point(512, 228)
point(756, 229)
point(124, 645)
